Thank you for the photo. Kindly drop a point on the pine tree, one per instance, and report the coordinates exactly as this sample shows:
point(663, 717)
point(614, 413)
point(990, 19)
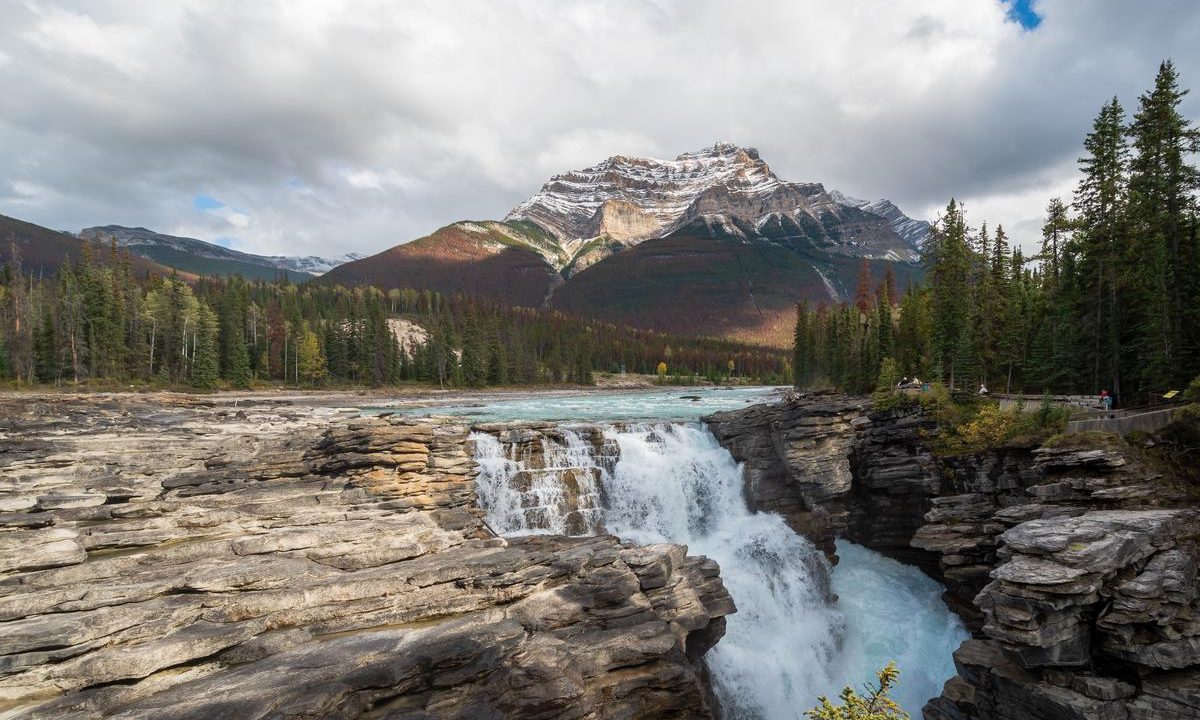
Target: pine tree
point(235, 356)
point(45, 350)
point(802, 348)
point(474, 354)
point(1100, 200)
point(1161, 190)
point(204, 371)
point(864, 298)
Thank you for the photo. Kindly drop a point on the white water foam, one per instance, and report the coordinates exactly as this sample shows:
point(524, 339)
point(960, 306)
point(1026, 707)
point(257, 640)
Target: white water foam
point(787, 644)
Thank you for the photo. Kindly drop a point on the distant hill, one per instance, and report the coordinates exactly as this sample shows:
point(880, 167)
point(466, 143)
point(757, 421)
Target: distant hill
point(43, 250)
point(715, 279)
point(509, 261)
point(205, 258)
point(712, 242)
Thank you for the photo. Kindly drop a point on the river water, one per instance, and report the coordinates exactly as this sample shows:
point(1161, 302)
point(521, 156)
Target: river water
point(666, 479)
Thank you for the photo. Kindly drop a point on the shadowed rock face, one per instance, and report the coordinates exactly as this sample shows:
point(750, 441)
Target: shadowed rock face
point(196, 560)
point(1076, 566)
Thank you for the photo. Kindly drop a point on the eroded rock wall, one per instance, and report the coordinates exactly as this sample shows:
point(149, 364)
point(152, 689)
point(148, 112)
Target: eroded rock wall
point(198, 560)
point(1074, 565)
point(796, 458)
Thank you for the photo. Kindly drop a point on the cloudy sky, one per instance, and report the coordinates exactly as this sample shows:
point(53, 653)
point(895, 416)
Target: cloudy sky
point(327, 126)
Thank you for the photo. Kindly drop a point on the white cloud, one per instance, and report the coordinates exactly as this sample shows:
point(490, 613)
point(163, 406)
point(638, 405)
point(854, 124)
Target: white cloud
point(398, 118)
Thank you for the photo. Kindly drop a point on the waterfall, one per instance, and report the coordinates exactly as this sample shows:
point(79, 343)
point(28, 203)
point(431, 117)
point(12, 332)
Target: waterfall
point(548, 487)
point(785, 646)
point(676, 483)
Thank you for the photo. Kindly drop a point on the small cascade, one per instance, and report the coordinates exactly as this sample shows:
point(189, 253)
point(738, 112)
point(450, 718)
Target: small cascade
point(789, 642)
point(547, 484)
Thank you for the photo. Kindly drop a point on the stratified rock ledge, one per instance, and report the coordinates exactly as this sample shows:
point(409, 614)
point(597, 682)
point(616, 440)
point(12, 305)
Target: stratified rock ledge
point(190, 559)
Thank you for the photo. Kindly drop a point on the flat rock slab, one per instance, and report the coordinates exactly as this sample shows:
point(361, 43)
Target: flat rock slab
point(175, 558)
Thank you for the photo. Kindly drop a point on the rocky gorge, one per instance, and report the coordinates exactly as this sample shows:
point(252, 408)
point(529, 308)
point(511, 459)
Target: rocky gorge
point(172, 558)
point(1075, 565)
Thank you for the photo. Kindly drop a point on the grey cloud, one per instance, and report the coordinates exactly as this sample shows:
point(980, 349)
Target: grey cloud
point(398, 118)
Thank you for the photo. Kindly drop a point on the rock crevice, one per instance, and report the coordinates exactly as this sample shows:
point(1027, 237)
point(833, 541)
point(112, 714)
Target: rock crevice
point(1074, 565)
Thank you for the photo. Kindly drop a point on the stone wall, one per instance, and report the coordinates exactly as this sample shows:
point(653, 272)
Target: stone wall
point(190, 559)
point(1075, 566)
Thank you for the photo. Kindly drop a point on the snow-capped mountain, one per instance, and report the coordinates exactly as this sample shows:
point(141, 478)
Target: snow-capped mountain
point(625, 200)
point(205, 258)
point(711, 243)
point(913, 232)
point(312, 264)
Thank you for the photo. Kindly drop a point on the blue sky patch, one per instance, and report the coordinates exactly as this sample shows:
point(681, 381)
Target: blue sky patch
point(1022, 13)
point(204, 202)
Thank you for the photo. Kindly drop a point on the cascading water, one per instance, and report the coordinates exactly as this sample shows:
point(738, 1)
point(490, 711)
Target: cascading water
point(788, 643)
point(558, 495)
point(676, 483)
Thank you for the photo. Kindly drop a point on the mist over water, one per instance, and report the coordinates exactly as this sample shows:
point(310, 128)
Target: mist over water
point(788, 643)
point(895, 612)
point(661, 404)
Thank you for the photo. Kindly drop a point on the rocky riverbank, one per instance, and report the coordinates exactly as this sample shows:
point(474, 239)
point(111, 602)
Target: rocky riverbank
point(1075, 565)
point(187, 558)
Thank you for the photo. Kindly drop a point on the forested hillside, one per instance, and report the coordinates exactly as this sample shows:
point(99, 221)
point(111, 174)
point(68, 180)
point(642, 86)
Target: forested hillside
point(1111, 301)
point(101, 320)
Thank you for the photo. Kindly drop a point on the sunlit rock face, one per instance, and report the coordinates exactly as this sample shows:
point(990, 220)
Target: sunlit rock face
point(196, 559)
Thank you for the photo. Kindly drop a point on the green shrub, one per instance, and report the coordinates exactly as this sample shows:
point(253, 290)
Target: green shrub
point(1192, 393)
point(1188, 413)
point(874, 704)
point(990, 427)
point(886, 396)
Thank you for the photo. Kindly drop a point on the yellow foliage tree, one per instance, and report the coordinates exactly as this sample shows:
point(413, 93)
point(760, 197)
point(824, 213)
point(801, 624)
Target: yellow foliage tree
point(874, 704)
point(310, 359)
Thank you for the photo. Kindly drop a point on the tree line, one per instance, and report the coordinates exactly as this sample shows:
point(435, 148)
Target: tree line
point(1110, 302)
point(99, 321)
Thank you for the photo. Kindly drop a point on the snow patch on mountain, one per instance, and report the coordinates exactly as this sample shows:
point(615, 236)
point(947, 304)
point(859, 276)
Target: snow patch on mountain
point(648, 197)
point(311, 264)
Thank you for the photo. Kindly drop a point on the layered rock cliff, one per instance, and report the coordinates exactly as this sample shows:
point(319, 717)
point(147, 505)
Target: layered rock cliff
point(198, 560)
point(1075, 565)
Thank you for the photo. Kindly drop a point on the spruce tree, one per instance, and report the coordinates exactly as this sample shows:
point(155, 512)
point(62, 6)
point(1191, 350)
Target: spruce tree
point(204, 371)
point(1100, 286)
point(948, 257)
point(1162, 184)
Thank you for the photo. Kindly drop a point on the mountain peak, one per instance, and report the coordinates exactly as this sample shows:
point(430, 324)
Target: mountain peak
point(570, 206)
point(722, 149)
point(627, 199)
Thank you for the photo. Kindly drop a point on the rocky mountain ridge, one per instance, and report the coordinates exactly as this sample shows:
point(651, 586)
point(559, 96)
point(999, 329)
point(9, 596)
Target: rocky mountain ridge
point(205, 258)
point(625, 200)
point(42, 251)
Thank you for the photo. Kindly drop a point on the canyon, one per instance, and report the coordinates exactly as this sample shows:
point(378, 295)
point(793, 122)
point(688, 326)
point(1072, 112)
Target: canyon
point(174, 556)
point(180, 558)
point(1075, 565)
